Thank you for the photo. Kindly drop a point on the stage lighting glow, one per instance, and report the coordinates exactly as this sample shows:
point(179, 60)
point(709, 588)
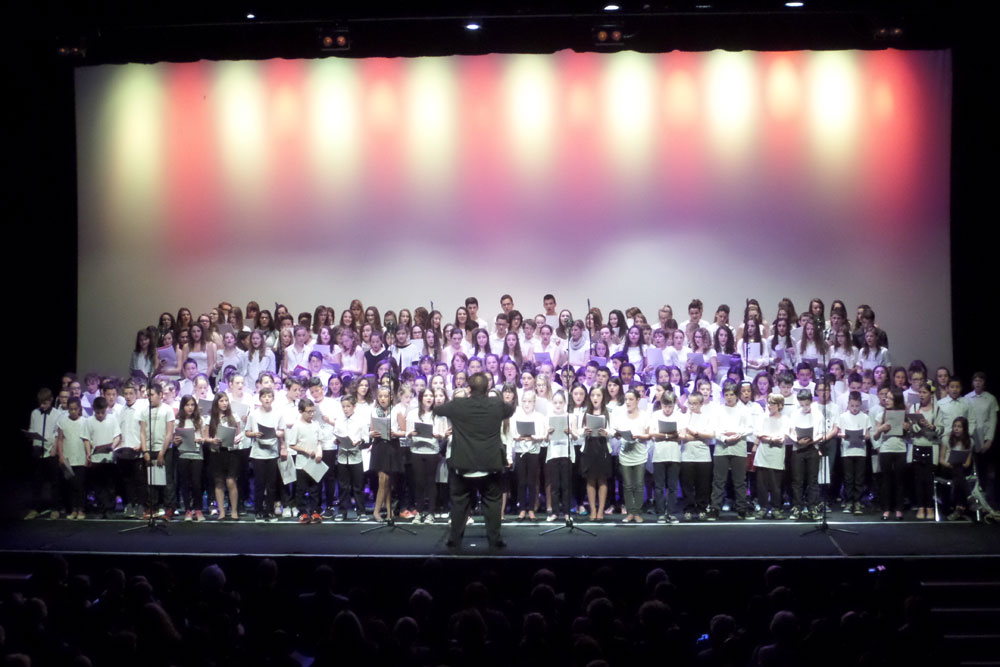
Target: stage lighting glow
point(431, 104)
point(611, 8)
point(834, 104)
point(783, 90)
point(795, 5)
point(629, 103)
point(681, 98)
point(530, 89)
point(251, 16)
point(732, 103)
point(334, 107)
point(472, 26)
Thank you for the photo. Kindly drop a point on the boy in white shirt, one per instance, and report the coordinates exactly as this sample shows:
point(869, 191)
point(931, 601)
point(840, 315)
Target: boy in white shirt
point(128, 452)
point(156, 432)
point(43, 430)
point(104, 435)
point(303, 438)
point(352, 432)
point(769, 457)
point(667, 455)
point(732, 427)
point(806, 431)
point(855, 429)
point(74, 455)
point(264, 453)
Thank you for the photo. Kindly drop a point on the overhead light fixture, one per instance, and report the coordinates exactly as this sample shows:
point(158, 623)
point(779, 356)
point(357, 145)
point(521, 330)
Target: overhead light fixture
point(333, 39)
point(611, 8)
point(795, 5)
point(251, 16)
point(609, 35)
point(472, 26)
point(72, 48)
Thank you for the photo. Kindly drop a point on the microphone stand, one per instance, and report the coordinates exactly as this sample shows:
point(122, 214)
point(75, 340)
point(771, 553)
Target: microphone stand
point(390, 521)
point(824, 528)
point(569, 524)
point(151, 525)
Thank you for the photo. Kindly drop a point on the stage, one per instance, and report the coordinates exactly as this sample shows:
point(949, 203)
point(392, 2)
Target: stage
point(725, 539)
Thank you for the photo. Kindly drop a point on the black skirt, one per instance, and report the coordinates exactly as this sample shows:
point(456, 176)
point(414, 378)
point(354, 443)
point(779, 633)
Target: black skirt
point(387, 456)
point(224, 463)
point(595, 460)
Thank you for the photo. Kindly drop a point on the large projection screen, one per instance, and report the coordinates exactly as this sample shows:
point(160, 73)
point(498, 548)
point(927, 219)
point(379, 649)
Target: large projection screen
point(627, 178)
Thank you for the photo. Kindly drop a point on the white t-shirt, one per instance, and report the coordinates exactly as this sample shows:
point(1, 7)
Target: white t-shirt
point(637, 452)
point(102, 433)
point(158, 417)
point(74, 433)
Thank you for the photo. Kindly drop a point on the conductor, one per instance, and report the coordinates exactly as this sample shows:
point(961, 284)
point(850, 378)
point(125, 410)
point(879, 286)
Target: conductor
point(477, 457)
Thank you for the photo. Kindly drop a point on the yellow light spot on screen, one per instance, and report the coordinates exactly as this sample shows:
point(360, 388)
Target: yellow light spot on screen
point(731, 79)
point(529, 91)
point(783, 89)
point(833, 104)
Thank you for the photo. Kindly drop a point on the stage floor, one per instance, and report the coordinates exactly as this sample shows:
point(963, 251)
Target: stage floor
point(717, 540)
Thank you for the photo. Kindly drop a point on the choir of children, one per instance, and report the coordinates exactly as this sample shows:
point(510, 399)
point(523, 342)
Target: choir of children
point(800, 412)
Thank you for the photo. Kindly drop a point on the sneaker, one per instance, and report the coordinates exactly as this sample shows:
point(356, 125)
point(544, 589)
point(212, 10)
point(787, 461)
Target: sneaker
point(441, 515)
point(414, 518)
point(364, 517)
point(550, 518)
point(198, 516)
point(848, 508)
point(469, 521)
point(687, 516)
point(286, 513)
point(713, 514)
point(259, 518)
point(428, 518)
point(858, 509)
point(54, 514)
point(760, 514)
point(339, 517)
point(672, 519)
point(778, 515)
point(188, 516)
point(794, 514)
point(702, 516)
point(295, 513)
point(80, 516)
point(582, 511)
point(743, 516)
point(661, 519)
point(407, 514)
point(304, 518)
point(33, 514)
point(272, 518)
point(72, 517)
point(958, 516)
point(725, 507)
point(147, 515)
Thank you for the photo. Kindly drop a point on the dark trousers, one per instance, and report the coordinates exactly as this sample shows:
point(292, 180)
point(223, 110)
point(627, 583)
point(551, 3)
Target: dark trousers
point(959, 485)
point(265, 484)
point(45, 482)
point(166, 495)
point(351, 479)
point(101, 478)
point(721, 467)
point(892, 465)
point(189, 472)
point(666, 475)
point(559, 473)
point(330, 479)
point(76, 489)
point(855, 471)
point(424, 468)
point(526, 469)
point(632, 487)
point(306, 492)
point(130, 473)
point(769, 488)
point(923, 484)
point(243, 480)
point(696, 479)
point(805, 476)
point(462, 495)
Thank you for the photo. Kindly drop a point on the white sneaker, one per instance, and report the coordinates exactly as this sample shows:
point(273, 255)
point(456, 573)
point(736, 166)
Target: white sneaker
point(416, 519)
point(469, 521)
point(295, 512)
point(428, 518)
point(286, 513)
